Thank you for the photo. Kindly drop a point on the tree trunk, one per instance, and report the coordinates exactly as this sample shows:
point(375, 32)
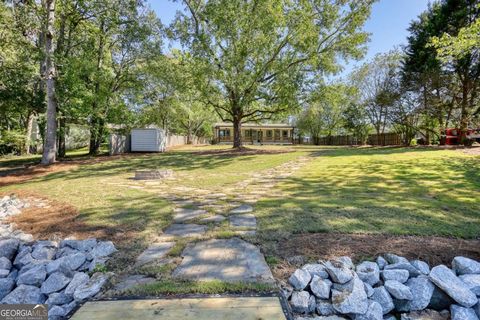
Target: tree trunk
point(62, 151)
point(237, 132)
point(28, 136)
point(464, 112)
point(50, 145)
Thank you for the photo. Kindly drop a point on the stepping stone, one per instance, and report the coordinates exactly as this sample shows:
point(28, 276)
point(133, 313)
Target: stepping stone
point(183, 202)
point(132, 281)
point(230, 260)
point(185, 230)
point(183, 214)
point(216, 196)
point(243, 221)
point(244, 208)
point(215, 218)
point(155, 251)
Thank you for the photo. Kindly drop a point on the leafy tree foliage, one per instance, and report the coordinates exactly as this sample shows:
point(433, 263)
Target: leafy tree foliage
point(254, 58)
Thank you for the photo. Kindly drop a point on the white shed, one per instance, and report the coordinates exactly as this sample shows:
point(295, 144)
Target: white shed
point(148, 140)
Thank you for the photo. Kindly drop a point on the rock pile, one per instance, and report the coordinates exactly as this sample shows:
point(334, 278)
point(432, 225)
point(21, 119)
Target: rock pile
point(11, 206)
point(55, 273)
point(392, 286)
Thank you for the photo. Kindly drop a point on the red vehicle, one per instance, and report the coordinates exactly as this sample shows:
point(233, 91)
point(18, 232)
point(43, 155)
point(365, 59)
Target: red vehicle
point(454, 136)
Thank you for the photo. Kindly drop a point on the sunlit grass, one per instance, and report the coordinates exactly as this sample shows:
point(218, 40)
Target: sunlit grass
point(394, 191)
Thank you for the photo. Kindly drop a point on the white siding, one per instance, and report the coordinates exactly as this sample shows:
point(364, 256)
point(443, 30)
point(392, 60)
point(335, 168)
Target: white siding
point(147, 140)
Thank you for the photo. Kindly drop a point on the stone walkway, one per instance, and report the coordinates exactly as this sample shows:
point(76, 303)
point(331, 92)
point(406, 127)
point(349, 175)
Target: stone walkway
point(199, 214)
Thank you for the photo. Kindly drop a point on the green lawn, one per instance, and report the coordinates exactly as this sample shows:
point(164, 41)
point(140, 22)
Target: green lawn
point(391, 190)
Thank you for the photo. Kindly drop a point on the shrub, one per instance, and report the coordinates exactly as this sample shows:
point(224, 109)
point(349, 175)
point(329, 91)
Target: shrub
point(12, 141)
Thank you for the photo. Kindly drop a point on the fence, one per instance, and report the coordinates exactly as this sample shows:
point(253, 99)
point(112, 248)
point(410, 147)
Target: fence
point(385, 139)
point(121, 144)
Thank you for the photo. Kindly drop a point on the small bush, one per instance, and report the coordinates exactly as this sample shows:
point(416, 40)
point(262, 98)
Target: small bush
point(12, 141)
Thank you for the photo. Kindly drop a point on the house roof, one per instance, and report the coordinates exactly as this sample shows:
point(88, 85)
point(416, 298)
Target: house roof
point(255, 125)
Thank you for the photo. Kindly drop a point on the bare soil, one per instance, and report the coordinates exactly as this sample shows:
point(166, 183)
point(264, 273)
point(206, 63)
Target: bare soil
point(434, 250)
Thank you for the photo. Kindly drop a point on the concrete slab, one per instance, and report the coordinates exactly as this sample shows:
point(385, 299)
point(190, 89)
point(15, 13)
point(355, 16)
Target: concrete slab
point(185, 230)
point(243, 221)
point(225, 308)
point(230, 260)
point(244, 208)
point(184, 214)
point(215, 218)
point(154, 252)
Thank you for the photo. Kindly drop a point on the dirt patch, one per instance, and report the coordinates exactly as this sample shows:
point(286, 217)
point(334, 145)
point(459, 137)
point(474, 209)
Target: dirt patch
point(59, 220)
point(434, 250)
point(242, 152)
point(28, 172)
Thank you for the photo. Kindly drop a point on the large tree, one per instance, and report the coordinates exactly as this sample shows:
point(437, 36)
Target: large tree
point(254, 57)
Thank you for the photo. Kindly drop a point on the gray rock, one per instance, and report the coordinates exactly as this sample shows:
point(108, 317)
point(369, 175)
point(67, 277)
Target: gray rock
point(102, 249)
point(78, 279)
point(311, 304)
point(6, 286)
point(338, 271)
point(426, 315)
point(440, 300)
point(244, 208)
point(300, 302)
point(369, 290)
point(58, 298)
point(5, 263)
point(401, 305)
point(421, 266)
point(476, 308)
point(381, 262)
point(55, 282)
point(65, 251)
point(347, 261)
point(398, 290)
point(91, 288)
point(68, 308)
point(393, 258)
point(23, 257)
point(8, 248)
point(461, 313)
point(352, 301)
point(34, 276)
point(13, 274)
point(463, 265)
point(368, 272)
point(316, 269)
point(389, 317)
point(44, 253)
point(25, 294)
point(324, 307)
point(382, 296)
point(446, 280)
point(74, 261)
point(399, 275)
point(320, 287)
point(56, 312)
point(80, 245)
point(374, 312)
point(422, 291)
point(404, 266)
point(472, 281)
point(4, 273)
point(299, 279)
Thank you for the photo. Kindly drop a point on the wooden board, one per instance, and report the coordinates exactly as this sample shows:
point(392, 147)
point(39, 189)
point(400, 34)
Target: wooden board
point(226, 308)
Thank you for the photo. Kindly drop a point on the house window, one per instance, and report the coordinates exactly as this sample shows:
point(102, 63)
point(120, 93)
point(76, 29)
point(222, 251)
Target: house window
point(248, 133)
point(269, 134)
point(284, 134)
point(225, 133)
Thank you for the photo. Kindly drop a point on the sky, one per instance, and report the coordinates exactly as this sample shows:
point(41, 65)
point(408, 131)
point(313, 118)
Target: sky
point(387, 24)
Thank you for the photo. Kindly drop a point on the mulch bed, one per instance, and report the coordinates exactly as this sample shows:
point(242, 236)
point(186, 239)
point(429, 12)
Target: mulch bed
point(434, 250)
